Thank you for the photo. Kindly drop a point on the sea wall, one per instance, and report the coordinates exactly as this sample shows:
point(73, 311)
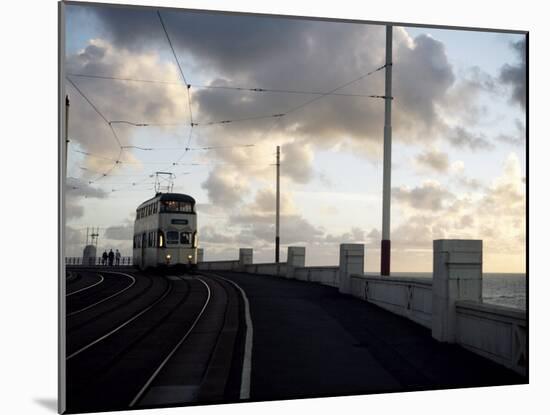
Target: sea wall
point(449, 304)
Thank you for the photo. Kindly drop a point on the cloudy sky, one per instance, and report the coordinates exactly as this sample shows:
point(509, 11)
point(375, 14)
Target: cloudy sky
point(458, 133)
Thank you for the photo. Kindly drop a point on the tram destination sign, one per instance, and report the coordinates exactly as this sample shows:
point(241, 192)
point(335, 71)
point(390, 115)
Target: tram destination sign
point(180, 222)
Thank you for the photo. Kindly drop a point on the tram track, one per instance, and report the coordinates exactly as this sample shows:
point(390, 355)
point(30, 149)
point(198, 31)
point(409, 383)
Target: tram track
point(100, 281)
point(111, 313)
point(124, 324)
point(211, 344)
point(102, 376)
point(138, 396)
point(189, 324)
point(109, 297)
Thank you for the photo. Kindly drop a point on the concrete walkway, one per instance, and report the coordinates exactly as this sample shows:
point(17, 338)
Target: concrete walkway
point(311, 341)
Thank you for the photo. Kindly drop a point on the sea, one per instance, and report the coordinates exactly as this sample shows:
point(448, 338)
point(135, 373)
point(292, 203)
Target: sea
point(508, 290)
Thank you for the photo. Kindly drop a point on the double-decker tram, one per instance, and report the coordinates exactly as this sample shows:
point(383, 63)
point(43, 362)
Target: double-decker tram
point(165, 232)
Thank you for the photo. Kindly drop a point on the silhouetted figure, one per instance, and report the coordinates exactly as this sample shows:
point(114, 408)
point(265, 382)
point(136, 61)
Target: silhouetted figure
point(104, 258)
point(117, 258)
point(111, 257)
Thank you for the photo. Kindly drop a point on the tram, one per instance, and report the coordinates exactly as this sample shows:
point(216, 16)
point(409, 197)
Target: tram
point(165, 232)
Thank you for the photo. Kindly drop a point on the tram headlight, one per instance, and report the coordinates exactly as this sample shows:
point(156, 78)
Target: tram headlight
point(168, 258)
point(189, 256)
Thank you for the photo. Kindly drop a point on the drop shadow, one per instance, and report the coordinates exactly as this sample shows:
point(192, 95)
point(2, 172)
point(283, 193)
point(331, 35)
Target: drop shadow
point(48, 403)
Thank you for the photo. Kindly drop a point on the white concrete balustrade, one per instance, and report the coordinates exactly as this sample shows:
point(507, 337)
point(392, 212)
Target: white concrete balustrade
point(408, 297)
point(449, 304)
point(323, 275)
point(495, 332)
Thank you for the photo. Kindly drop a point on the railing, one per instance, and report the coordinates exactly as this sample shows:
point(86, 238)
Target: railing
point(406, 296)
point(270, 268)
point(224, 265)
point(495, 332)
point(449, 303)
point(96, 261)
point(326, 275)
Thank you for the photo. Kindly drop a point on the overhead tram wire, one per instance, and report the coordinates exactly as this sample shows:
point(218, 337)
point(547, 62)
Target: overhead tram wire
point(230, 88)
point(319, 95)
point(332, 91)
point(117, 161)
point(179, 67)
point(281, 115)
point(191, 122)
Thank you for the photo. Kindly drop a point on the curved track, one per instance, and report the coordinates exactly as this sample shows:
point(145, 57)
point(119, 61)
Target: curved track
point(108, 297)
point(87, 285)
point(176, 330)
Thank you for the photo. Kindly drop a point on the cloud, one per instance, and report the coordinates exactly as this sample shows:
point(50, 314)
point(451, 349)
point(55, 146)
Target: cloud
point(297, 161)
point(355, 235)
point(496, 214)
point(429, 196)
point(259, 51)
point(462, 138)
point(76, 190)
point(73, 209)
point(517, 139)
point(225, 187)
point(120, 233)
point(515, 75)
point(117, 100)
point(434, 160)
point(210, 235)
point(294, 229)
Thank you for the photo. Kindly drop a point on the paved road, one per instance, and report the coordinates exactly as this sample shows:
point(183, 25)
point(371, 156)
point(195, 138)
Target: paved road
point(310, 341)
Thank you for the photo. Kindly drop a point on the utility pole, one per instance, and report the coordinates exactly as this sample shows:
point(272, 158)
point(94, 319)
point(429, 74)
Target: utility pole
point(386, 192)
point(278, 199)
point(66, 131)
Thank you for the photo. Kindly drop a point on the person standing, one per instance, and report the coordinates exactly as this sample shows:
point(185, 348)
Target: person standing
point(104, 258)
point(117, 258)
point(111, 257)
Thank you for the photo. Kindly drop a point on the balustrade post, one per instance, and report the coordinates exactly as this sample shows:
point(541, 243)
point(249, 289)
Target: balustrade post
point(457, 275)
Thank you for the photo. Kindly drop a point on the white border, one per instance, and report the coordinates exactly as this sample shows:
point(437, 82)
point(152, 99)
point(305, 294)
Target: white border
point(29, 172)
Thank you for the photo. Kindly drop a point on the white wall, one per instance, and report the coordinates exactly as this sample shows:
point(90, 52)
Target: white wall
point(408, 297)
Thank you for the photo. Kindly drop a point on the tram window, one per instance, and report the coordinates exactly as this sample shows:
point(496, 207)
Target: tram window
point(155, 207)
point(185, 207)
point(172, 238)
point(170, 206)
point(185, 238)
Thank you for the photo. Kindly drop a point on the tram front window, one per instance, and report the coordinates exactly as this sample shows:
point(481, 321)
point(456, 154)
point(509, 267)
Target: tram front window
point(185, 238)
point(172, 238)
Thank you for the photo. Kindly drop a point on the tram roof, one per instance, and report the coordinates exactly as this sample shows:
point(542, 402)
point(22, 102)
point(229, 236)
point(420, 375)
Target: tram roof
point(176, 197)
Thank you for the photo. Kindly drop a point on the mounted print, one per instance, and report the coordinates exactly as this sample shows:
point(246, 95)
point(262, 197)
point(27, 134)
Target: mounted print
point(259, 207)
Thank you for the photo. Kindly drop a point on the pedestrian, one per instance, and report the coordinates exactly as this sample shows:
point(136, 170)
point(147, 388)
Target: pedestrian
point(104, 258)
point(111, 257)
point(117, 257)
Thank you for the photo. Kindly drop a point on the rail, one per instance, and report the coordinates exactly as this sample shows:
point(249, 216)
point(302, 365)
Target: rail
point(97, 261)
